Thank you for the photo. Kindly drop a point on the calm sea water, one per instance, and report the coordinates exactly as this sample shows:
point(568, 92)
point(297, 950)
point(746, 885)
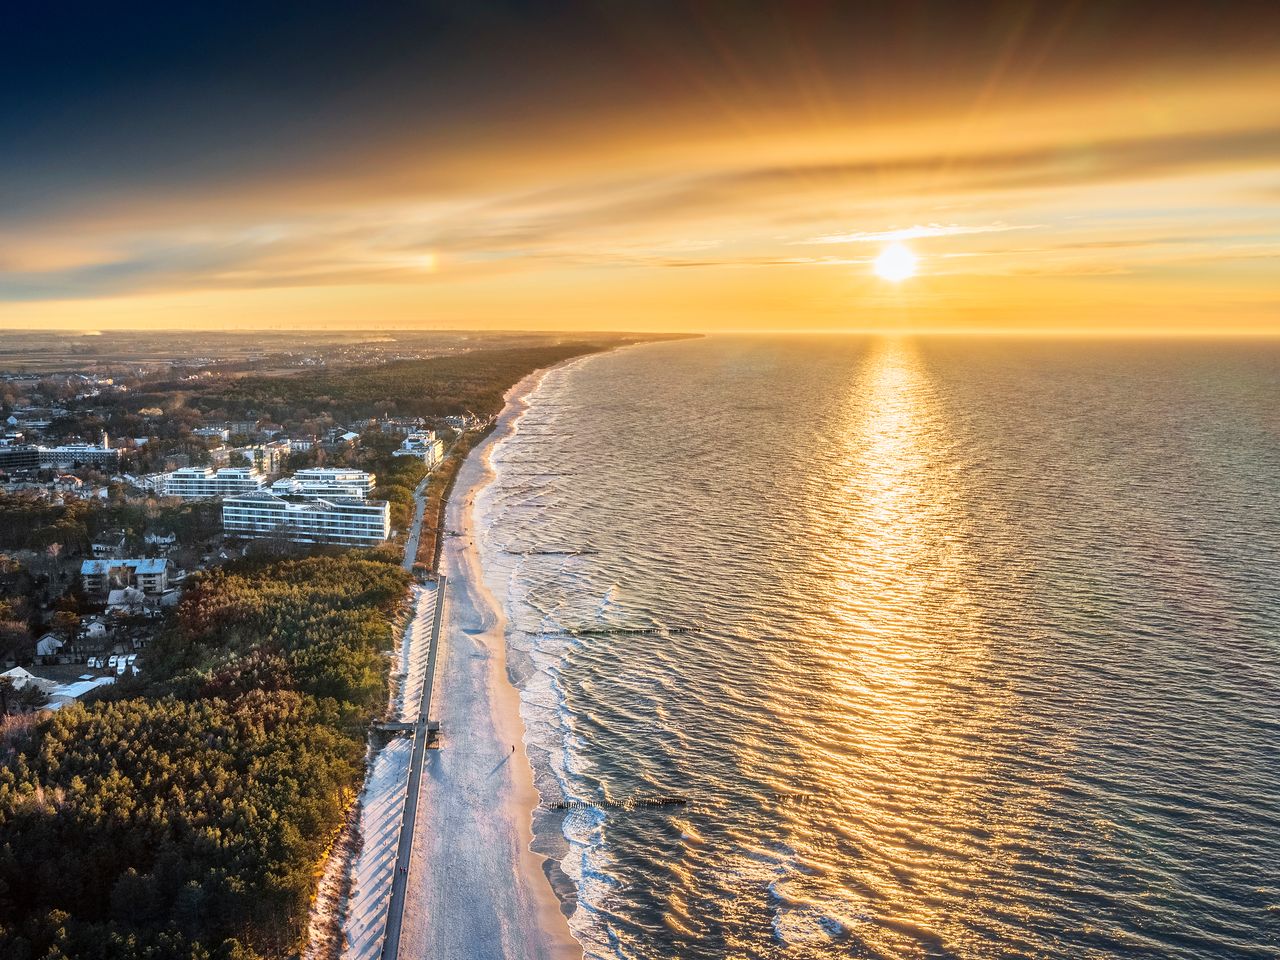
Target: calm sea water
point(984, 658)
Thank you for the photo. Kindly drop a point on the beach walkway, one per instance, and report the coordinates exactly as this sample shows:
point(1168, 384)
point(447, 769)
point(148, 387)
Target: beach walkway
point(383, 800)
point(419, 715)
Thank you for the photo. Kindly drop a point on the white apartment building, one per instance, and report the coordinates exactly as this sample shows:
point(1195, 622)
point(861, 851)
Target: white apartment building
point(340, 521)
point(326, 483)
point(80, 454)
point(425, 445)
point(202, 483)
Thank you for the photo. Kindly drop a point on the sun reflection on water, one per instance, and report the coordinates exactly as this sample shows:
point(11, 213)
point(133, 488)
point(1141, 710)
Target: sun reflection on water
point(905, 755)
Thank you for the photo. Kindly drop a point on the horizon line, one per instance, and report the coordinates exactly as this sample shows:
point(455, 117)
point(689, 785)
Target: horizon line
point(1129, 333)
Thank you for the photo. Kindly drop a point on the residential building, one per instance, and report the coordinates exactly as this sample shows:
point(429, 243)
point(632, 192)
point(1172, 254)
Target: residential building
point(267, 457)
point(326, 483)
point(19, 459)
point(403, 425)
point(212, 433)
point(203, 483)
point(424, 445)
point(148, 575)
point(344, 521)
point(109, 544)
point(81, 455)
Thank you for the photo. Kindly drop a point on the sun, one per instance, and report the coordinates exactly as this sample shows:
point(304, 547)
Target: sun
point(895, 263)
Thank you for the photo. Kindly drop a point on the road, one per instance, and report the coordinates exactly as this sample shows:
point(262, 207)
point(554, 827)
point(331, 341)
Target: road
point(415, 529)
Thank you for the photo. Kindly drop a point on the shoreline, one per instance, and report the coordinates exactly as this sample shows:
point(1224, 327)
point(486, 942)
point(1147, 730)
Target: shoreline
point(480, 890)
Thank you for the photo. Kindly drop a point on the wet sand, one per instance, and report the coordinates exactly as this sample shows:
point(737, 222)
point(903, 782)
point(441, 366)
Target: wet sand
point(477, 891)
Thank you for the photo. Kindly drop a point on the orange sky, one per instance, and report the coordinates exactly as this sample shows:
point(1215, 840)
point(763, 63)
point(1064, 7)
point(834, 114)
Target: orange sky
point(1140, 198)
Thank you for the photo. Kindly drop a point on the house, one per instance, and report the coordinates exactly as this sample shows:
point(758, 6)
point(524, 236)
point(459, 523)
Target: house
point(129, 601)
point(150, 575)
point(109, 544)
point(67, 483)
point(49, 645)
point(404, 425)
point(463, 422)
point(93, 629)
point(60, 694)
point(20, 677)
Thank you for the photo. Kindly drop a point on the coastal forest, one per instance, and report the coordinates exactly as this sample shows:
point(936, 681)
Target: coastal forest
point(472, 382)
point(186, 818)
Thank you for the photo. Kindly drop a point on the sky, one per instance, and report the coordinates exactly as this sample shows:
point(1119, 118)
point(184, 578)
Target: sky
point(1105, 167)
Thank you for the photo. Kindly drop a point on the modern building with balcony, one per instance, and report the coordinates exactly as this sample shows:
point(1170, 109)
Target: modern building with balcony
point(317, 483)
point(343, 521)
point(204, 483)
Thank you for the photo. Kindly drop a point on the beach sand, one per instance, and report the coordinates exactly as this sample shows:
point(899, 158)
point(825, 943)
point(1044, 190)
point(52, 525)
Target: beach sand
point(476, 889)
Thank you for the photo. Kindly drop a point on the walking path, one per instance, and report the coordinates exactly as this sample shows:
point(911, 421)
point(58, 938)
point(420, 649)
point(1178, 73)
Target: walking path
point(376, 900)
point(400, 879)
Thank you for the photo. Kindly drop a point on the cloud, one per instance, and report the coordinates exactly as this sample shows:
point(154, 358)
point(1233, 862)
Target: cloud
point(913, 233)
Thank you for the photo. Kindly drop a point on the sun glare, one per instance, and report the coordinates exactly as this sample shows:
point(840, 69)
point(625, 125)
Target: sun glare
point(896, 262)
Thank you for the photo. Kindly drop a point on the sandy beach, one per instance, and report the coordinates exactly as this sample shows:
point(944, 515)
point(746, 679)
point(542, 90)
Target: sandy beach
point(477, 891)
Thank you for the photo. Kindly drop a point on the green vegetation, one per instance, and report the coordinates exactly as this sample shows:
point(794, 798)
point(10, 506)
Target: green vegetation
point(397, 477)
point(437, 495)
point(187, 820)
point(441, 386)
point(30, 523)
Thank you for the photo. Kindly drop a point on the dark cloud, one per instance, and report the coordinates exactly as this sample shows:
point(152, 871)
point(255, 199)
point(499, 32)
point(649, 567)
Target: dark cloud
point(157, 99)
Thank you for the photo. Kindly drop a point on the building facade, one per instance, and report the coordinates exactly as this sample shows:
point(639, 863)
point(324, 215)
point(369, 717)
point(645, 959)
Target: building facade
point(425, 445)
point(266, 457)
point(149, 575)
point(203, 483)
point(340, 521)
point(326, 483)
point(80, 455)
point(19, 459)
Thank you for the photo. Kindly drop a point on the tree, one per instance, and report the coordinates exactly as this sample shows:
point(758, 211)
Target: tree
point(66, 624)
point(15, 639)
point(31, 697)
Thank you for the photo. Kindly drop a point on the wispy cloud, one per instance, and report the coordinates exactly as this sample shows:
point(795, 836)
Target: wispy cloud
point(913, 233)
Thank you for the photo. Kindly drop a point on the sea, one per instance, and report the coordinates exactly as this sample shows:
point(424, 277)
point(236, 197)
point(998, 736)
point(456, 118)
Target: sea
point(901, 647)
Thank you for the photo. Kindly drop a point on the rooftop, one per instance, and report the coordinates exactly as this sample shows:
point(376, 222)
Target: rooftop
point(142, 566)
